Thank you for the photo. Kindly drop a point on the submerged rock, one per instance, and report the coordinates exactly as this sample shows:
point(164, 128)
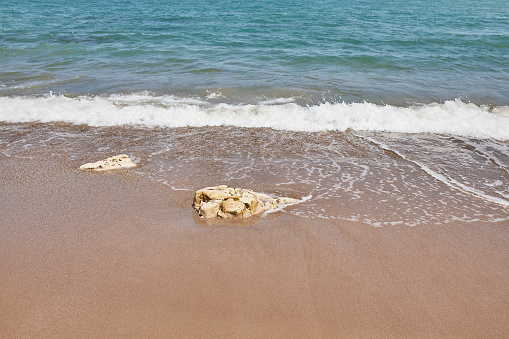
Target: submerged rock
point(227, 202)
point(111, 163)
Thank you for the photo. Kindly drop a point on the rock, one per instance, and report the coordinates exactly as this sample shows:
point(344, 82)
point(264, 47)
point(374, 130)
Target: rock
point(209, 209)
point(111, 163)
point(231, 206)
point(227, 202)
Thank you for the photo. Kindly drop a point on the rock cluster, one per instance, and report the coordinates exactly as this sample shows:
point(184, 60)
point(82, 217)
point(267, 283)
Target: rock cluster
point(111, 163)
point(227, 202)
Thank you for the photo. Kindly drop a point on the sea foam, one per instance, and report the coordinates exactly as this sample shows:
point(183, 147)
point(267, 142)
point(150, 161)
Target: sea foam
point(453, 117)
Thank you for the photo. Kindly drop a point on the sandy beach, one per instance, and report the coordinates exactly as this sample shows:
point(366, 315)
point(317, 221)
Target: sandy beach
point(118, 255)
point(383, 124)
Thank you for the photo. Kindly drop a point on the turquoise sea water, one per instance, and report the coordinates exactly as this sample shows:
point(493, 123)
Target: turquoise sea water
point(395, 52)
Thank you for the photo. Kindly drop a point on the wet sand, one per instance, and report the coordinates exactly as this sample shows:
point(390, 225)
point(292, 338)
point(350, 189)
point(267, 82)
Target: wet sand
point(118, 255)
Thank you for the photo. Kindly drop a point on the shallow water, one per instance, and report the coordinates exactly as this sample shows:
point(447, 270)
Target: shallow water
point(379, 179)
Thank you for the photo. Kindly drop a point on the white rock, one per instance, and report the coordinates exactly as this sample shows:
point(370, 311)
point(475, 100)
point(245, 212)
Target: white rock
point(111, 163)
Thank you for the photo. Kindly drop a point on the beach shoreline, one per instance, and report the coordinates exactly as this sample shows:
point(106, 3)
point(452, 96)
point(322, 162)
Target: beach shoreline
point(116, 254)
point(388, 121)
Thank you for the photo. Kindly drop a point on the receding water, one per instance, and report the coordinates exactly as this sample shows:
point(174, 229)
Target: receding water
point(379, 179)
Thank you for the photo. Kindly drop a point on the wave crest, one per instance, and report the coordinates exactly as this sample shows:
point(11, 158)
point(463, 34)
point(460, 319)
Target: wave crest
point(453, 117)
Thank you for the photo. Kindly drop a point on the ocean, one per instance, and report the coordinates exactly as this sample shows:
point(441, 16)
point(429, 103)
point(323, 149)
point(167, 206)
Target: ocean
point(379, 112)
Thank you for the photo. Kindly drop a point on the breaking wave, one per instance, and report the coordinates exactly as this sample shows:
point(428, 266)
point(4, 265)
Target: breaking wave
point(453, 117)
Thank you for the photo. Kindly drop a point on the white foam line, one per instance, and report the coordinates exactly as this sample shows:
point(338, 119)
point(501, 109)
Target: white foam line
point(144, 109)
point(277, 101)
point(447, 181)
point(282, 206)
point(485, 155)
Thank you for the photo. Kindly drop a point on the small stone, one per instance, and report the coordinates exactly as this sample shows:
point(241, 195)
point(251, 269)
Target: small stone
point(111, 163)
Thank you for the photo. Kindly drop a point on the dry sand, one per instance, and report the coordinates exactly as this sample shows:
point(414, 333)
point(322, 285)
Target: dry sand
point(98, 255)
